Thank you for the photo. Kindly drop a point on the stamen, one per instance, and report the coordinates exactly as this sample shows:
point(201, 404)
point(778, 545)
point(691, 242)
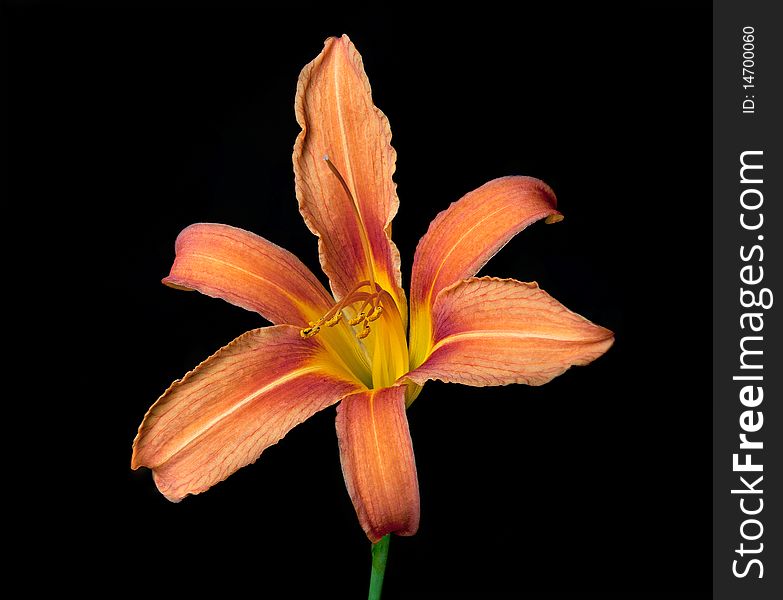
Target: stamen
point(369, 310)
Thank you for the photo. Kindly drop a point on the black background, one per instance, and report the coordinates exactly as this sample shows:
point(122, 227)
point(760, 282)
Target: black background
point(129, 123)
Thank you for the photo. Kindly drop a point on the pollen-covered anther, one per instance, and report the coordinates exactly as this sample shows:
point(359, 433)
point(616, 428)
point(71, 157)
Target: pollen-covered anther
point(364, 332)
point(357, 319)
point(334, 320)
point(308, 332)
point(375, 314)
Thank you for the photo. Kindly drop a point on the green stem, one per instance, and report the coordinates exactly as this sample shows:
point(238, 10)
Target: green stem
point(380, 551)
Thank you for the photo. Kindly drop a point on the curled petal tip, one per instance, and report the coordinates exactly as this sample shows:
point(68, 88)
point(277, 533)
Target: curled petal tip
point(167, 281)
point(462, 238)
point(246, 270)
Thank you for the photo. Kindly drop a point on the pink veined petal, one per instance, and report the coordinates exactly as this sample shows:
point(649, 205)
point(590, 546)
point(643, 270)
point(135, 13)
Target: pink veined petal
point(462, 238)
point(491, 331)
point(378, 464)
point(234, 405)
point(334, 107)
point(248, 271)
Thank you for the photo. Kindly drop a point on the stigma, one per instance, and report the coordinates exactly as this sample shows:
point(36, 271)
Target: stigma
point(370, 309)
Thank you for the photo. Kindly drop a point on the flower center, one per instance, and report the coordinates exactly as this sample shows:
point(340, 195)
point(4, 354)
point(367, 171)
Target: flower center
point(382, 358)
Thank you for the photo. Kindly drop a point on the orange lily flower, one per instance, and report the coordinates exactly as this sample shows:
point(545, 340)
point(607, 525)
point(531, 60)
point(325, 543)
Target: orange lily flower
point(350, 346)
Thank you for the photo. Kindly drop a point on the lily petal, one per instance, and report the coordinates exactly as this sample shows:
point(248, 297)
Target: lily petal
point(248, 271)
point(490, 331)
point(378, 464)
point(235, 404)
point(334, 107)
point(462, 238)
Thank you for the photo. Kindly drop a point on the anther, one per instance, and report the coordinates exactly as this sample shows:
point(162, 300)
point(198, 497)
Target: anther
point(367, 311)
point(357, 319)
point(309, 331)
point(334, 320)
